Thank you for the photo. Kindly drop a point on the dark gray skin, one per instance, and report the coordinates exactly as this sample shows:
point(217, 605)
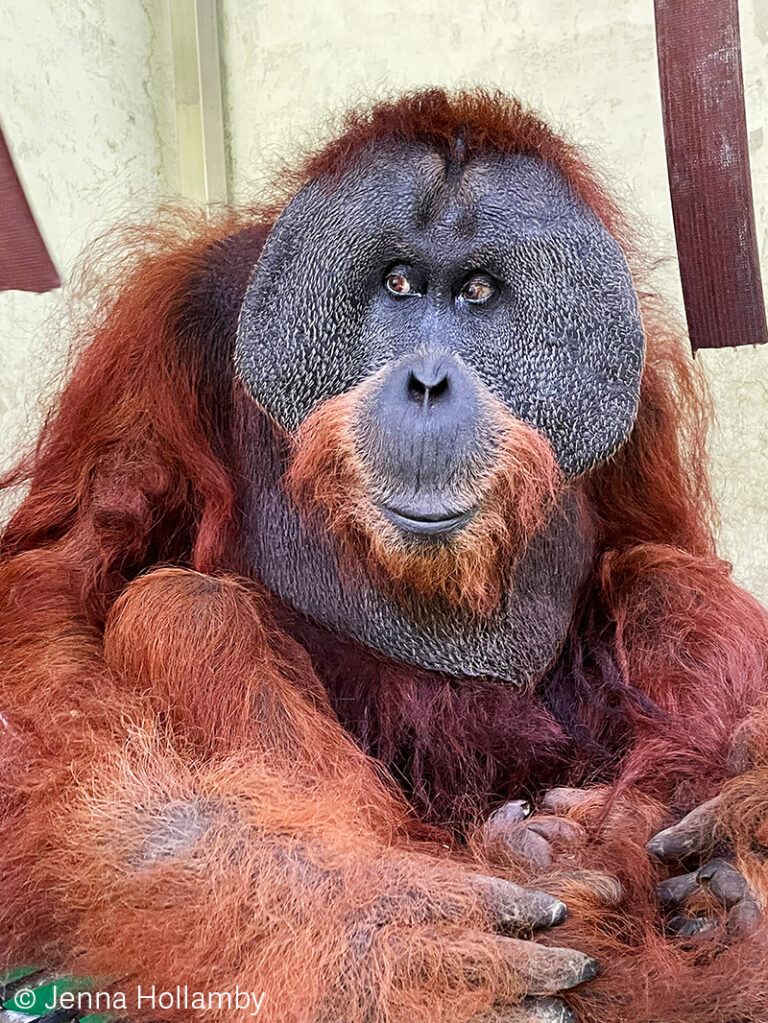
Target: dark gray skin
point(509, 275)
point(299, 562)
point(692, 840)
point(687, 845)
point(453, 283)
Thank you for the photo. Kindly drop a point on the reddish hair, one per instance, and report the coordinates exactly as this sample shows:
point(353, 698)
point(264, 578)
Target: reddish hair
point(137, 463)
point(139, 457)
point(483, 121)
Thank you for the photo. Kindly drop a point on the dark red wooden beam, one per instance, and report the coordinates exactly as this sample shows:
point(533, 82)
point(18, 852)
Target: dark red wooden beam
point(705, 131)
point(25, 264)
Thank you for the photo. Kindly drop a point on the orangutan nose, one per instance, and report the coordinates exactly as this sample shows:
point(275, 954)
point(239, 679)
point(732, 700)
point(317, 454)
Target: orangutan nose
point(426, 395)
point(420, 431)
point(429, 382)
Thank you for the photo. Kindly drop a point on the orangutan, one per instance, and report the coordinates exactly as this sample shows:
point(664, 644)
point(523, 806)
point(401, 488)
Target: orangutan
point(367, 521)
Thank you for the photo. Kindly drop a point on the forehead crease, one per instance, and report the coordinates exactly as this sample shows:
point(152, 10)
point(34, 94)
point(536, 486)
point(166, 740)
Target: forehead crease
point(403, 173)
point(413, 184)
point(525, 190)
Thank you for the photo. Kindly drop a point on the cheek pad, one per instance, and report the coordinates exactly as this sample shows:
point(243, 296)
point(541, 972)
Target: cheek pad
point(301, 334)
point(567, 353)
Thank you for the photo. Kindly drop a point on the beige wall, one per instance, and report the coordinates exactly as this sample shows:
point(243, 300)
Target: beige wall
point(85, 125)
point(86, 98)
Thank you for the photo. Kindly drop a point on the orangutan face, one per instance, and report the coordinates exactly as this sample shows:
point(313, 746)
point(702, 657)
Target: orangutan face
point(446, 342)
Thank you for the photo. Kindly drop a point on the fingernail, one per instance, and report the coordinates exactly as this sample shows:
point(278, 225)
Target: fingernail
point(591, 969)
point(707, 872)
point(513, 812)
point(657, 845)
point(676, 889)
point(559, 913)
point(674, 844)
point(689, 927)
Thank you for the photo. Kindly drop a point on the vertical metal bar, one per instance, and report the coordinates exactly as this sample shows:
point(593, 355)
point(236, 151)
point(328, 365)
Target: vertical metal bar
point(211, 107)
point(199, 111)
point(705, 131)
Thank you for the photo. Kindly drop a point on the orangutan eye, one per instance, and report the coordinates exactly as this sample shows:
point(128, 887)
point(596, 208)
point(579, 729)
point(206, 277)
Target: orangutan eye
point(399, 282)
point(478, 290)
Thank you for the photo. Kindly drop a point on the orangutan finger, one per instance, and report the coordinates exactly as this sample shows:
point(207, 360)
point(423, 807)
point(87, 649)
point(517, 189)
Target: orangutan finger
point(557, 829)
point(513, 909)
point(727, 884)
point(695, 833)
point(744, 917)
point(513, 812)
point(533, 841)
point(676, 890)
point(504, 820)
point(687, 927)
point(562, 799)
point(529, 842)
point(543, 970)
point(526, 844)
point(530, 1010)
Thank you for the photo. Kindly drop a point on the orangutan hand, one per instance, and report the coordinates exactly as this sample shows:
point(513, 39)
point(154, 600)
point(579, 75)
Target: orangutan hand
point(425, 916)
point(514, 914)
point(539, 837)
point(512, 910)
point(516, 910)
point(698, 900)
point(549, 838)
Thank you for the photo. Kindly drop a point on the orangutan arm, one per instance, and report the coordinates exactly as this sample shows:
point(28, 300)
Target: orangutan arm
point(192, 814)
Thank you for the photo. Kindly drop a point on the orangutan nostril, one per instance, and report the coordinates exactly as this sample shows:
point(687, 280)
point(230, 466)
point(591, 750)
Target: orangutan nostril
point(429, 390)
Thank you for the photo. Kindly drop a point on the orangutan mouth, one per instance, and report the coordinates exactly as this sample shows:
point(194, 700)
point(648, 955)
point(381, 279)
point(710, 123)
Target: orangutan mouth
point(426, 523)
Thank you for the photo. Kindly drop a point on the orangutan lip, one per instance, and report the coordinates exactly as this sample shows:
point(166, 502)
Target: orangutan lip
point(426, 525)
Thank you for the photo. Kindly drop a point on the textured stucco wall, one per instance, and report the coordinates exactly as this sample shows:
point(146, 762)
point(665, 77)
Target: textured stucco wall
point(85, 95)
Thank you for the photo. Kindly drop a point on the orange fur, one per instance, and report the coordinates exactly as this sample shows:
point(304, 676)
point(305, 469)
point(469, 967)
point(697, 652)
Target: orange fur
point(516, 495)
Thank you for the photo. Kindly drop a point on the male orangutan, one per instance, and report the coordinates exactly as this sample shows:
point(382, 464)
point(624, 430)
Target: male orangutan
point(358, 530)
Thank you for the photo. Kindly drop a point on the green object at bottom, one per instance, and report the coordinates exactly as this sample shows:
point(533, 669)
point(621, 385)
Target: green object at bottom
point(18, 973)
point(40, 1000)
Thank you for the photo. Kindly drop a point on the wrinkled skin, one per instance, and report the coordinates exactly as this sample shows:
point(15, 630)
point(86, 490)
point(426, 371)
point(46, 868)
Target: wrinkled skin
point(417, 310)
point(692, 842)
point(703, 891)
point(557, 344)
point(416, 337)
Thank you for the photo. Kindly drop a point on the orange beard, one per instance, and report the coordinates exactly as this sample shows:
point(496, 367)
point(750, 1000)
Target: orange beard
point(515, 497)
